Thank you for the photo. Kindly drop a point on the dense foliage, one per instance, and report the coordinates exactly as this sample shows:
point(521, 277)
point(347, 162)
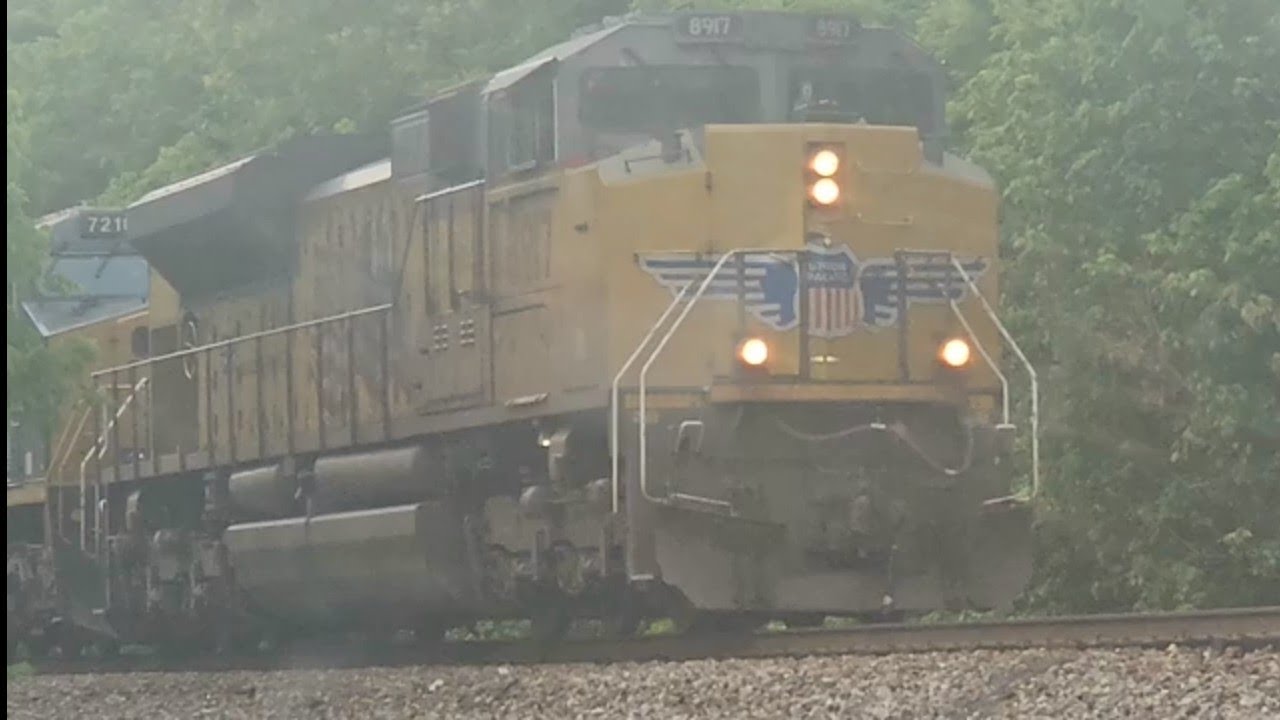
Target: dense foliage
point(39, 378)
point(1136, 142)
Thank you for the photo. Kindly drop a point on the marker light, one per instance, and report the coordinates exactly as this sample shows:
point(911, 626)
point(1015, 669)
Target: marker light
point(825, 192)
point(955, 353)
point(825, 163)
point(753, 352)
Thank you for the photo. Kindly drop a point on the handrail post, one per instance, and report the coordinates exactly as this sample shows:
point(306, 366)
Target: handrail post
point(320, 421)
point(98, 411)
point(1031, 372)
point(133, 417)
point(904, 357)
point(115, 439)
point(230, 371)
point(261, 415)
point(288, 392)
point(151, 426)
point(617, 379)
point(644, 373)
point(353, 402)
point(385, 369)
point(210, 436)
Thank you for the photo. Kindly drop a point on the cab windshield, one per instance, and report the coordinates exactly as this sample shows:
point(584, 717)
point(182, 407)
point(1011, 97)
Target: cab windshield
point(876, 96)
point(658, 98)
point(107, 276)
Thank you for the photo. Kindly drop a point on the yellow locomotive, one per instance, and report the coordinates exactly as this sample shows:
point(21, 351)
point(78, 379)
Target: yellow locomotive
point(95, 290)
point(689, 315)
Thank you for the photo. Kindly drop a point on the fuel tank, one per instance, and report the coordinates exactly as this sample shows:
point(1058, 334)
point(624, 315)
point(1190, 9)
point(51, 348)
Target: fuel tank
point(384, 567)
point(378, 478)
point(263, 492)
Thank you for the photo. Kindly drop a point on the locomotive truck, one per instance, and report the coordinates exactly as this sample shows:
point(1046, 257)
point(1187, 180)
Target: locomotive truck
point(690, 316)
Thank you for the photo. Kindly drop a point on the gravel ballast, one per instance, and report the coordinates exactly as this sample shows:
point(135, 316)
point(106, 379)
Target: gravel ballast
point(1130, 683)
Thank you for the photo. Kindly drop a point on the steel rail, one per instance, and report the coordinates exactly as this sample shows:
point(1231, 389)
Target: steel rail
point(1247, 627)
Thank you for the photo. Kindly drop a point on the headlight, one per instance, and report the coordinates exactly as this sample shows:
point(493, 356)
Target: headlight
point(822, 163)
point(825, 163)
point(825, 192)
point(955, 353)
point(753, 352)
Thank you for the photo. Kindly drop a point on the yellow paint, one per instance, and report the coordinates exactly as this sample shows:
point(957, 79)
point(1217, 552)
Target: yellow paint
point(29, 494)
point(164, 305)
point(756, 199)
point(822, 393)
point(545, 272)
point(111, 340)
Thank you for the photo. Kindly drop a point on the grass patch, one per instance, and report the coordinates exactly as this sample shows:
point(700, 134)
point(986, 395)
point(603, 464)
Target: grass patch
point(491, 630)
point(665, 626)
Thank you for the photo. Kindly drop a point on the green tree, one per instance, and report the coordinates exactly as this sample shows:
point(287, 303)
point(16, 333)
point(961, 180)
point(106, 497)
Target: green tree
point(153, 92)
point(1137, 150)
point(39, 379)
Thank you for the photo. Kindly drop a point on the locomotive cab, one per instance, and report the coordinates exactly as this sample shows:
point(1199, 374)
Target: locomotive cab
point(811, 366)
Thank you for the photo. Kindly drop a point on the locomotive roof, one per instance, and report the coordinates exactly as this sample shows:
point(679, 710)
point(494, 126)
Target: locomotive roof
point(203, 232)
point(211, 231)
point(71, 234)
point(555, 53)
point(787, 26)
point(284, 169)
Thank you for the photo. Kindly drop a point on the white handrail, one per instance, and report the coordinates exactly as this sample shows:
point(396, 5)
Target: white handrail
point(67, 443)
point(617, 379)
point(653, 356)
point(991, 363)
point(100, 446)
point(243, 338)
point(1031, 372)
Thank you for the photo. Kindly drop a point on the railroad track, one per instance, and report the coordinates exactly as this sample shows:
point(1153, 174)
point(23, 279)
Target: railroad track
point(1250, 627)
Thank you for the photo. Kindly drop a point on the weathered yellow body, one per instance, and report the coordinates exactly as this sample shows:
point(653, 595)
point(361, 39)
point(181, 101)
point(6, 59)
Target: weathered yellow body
point(553, 274)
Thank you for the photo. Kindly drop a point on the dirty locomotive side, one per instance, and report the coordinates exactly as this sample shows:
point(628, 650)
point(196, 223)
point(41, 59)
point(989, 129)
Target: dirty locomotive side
point(688, 316)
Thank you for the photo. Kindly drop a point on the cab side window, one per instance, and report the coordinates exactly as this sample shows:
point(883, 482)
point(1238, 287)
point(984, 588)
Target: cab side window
point(523, 131)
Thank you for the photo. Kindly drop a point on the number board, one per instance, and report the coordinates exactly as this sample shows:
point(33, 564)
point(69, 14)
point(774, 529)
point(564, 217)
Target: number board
point(102, 224)
point(709, 27)
point(833, 29)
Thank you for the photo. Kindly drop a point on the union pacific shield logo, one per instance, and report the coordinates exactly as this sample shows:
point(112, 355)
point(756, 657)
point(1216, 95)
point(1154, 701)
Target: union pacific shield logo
point(843, 292)
point(834, 305)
